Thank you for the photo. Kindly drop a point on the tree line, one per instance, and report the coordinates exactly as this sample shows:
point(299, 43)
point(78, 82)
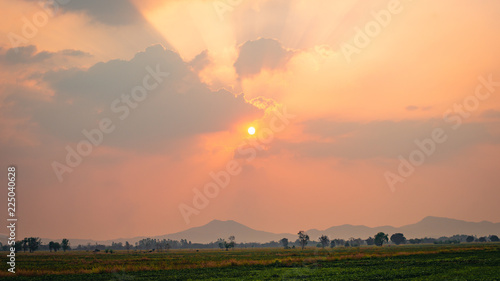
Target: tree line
point(33, 244)
point(380, 238)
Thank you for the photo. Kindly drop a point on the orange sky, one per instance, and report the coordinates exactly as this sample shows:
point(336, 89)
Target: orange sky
point(232, 65)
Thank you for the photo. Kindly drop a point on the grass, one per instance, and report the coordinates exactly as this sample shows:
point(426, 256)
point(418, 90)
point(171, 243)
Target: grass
point(414, 262)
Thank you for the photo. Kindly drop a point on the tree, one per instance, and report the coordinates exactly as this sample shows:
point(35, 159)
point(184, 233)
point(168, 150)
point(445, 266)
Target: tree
point(284, 242)
point(482, 239)
point(163, 244)
point(337, 242)
point(380, 238)
point(65, 244)
point(56, 246)
point(303, 238)
point(221, 242)
point(370, 241)
point(34, 243)
point(127, 246)
point(398, 238)
point(332, 243)
point(355, 242)
point(231, 243)
point(494, 238)
point(324, 240)
point(18, 246)
point(51, 246)
point(469, 239)
point(24, 244)
point(184, 243)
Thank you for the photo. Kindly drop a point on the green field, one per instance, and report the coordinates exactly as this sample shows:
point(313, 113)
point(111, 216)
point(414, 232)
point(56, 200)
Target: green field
point(414, 262)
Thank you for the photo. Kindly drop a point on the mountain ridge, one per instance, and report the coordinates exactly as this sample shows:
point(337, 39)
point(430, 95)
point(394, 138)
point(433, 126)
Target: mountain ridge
point(430, 226)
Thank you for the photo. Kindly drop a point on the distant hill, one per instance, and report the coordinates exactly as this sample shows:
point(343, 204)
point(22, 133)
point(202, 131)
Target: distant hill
point(433, 227)
point(347, 231)
point(437, 227)
point(223, 229)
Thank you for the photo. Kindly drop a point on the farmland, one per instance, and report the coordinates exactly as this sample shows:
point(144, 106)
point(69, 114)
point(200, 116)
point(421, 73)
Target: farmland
point(417, 262)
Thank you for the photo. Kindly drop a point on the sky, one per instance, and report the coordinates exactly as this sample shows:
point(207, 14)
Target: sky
point(130, 118)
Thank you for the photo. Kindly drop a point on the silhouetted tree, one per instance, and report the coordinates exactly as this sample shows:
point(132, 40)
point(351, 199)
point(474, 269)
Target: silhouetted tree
point(324, 240)
point(184, 243)
point(398, 238)
point(164, 243)
point(303, 238)
point(51, 246)
point(469, 239)
point(355, 242)
point(494, 238)
point(24, 243)
point(332, 243)
point(284, 242)
point(338, 242)
point(127, 246)
point(56, 246)
point(231, 243)
point(34, 243)
point(482, 239)
point(65, 244)
point(380, 238)
point(221, 242)
point(370, 241)
point(116, 246)
point(18, 246)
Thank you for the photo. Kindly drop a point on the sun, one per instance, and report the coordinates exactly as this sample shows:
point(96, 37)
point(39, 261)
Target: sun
point(251, 131)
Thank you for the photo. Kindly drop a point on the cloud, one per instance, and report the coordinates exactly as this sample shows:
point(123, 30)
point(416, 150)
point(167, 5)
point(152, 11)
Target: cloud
point(181, 107)
point(111, 12)
point(200, 61)
point(261, 54)
point(29, 55)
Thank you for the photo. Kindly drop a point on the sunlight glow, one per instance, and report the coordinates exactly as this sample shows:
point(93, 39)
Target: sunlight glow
point(251, 130)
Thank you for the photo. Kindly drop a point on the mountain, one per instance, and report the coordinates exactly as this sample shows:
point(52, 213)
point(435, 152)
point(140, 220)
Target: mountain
point(437, 227)
point(222, 229)
point(347, 231)
point(434, 227)
point(203, 234)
